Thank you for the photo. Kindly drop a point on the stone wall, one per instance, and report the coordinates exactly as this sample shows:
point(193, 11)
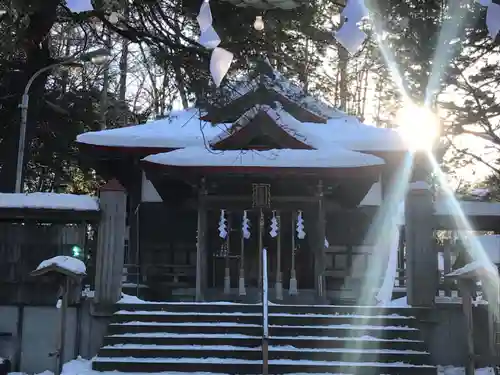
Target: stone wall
point(34, 332)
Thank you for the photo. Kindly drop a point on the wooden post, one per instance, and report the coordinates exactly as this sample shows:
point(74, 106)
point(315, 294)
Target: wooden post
point(110, 247)
point(466, 289)
point(62, 324)
point(261, 246)
point(319, 256)
point(293, 290)
point(447, 266)
point(201, 257)
point(421, 264)
point(279, 283)
point(241, 283)
point(227, 260)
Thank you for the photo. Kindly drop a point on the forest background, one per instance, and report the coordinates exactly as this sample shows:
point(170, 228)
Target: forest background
point(157, 65)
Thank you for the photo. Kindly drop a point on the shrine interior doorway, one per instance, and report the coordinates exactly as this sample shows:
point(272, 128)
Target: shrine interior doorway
point(239, 256)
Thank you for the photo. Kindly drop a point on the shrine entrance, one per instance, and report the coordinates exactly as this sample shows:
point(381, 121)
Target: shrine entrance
point(234, 251)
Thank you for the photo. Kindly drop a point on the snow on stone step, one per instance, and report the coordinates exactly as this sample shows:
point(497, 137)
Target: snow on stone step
point(348, 326)
point(277, 348)
point(175, 313)
point(245, 361)
point(221, 348)
point(242, 336)
point(356, 316)
point(190, 324)
point(187, 335)
point(298, 315)
point(330, 338)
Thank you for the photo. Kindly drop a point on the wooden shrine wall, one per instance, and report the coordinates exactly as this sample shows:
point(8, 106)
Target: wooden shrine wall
point(23, 247)
point(349, 252)
point(167, 254)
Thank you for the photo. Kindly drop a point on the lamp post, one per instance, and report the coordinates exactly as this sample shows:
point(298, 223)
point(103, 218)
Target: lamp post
point(97, 57)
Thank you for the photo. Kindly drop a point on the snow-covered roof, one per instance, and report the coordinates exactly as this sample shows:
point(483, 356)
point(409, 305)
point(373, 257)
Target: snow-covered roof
point(474, 268)
point(374, 196)
point(281, 118)
point(491, 246)
point(70, 264)
point(185, 129)
point(181, 129)
point(52, 201)
point(444, 206)
point(282, 158)
point(285, 87)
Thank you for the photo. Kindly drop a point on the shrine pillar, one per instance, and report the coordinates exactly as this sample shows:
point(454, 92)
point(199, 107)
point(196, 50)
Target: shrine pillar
point(110, 252)
point(422, 262)
point(201, 244)
point(319, 245)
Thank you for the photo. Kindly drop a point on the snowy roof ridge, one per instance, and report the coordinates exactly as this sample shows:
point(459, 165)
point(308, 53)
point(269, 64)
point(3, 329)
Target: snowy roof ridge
point(277, 115)
point(333, 157)
point(281, 85)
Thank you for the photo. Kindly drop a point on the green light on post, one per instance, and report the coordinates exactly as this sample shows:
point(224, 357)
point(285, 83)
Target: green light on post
point(77, 251)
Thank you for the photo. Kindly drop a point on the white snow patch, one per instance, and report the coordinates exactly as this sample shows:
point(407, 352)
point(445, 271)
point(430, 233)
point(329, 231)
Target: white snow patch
point(491, 245)
point(445, 206)
point(277, 348)
point(400, 302)
point(186, 129)
point(450, 370)
point(53, 201)
point(477, 266)
point(285, 158)
point(243, 361)
point(69, 263)
point(182, 324)
point(180, 129)
point(311, 315)
point(82, 366)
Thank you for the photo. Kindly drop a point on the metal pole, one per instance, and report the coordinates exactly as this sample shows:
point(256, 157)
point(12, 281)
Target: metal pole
point(24, 121)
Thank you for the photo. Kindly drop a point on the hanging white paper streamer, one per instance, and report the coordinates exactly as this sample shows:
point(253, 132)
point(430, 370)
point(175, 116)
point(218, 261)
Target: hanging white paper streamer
point(205, 16)
point(221, 60)
point(222, 224)
point(327, 244)
point(493, 20)
point(77, 6)
point(274, 226)
point(209, 38)
point(219, 64)
point(245, 226)
point(350, 37)
point(301, 234)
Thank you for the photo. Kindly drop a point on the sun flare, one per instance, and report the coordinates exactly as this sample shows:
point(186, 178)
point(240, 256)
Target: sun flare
point(419, 126)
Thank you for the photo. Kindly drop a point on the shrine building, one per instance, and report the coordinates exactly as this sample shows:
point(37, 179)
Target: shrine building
point(270, 167)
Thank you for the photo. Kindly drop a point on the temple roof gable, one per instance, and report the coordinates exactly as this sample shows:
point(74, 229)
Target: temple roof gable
point(263, 120)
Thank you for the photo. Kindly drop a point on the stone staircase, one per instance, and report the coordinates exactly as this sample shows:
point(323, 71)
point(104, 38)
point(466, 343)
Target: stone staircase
point(226, 338)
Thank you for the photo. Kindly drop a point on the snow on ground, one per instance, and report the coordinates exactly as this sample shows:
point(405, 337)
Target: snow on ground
point(69, 263)
point(82, 366)
point(450, 370)
point(52, 201)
